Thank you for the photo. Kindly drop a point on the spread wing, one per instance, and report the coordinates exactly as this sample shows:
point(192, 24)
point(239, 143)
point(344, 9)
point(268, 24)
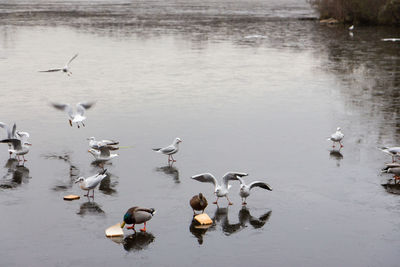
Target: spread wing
point(10, 134)
point(64, 107)
point(205, 178)
point(51, 70)
point(72, 59)
point(15, 143)
point(81, 107)
point(260, 184)
point(232, 176)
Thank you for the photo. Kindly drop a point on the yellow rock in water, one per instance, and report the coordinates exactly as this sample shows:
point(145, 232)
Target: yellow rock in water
point(114, 230)
point(71, 197)
point(203, 219)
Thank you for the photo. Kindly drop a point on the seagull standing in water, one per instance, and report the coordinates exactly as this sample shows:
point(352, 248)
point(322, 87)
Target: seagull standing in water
point(336, 137)
point(219, 190)
point(91, 182)
point(78, 116)
point(245, 189)
point(102, 153)
point(18, 146)
point(170, 150)
point(64, 69)
point(392, 151)
point(93, 143)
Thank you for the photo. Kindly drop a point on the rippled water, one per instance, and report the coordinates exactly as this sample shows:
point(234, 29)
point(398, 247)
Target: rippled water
point(252, 86)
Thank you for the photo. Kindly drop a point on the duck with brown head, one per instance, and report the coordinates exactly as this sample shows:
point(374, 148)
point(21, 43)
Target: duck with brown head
point(198, 202)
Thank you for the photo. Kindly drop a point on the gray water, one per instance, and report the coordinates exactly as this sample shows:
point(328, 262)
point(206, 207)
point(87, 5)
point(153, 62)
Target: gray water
point(251, 86)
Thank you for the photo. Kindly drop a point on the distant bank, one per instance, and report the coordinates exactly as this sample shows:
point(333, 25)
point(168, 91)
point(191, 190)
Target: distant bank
point(376, 12)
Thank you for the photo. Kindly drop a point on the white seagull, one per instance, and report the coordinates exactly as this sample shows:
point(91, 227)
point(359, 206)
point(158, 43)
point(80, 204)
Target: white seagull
point(219, 190)
point(19, 147)
point(64, 69)
point(102, 153)
point(244, 191)
point(93, 143)
point(351, 28)
point(91, 182)
point(392, 151)
point(170, 150)
point(78, 116)
point(336, 137)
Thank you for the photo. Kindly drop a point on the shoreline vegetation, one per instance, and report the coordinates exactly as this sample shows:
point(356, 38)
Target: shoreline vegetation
point(372, 12)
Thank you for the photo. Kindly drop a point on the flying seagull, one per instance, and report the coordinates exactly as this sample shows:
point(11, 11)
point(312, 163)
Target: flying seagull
point(64, 69)
point(75, 117)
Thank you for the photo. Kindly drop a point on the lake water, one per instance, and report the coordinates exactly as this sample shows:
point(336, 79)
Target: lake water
point(251, 86)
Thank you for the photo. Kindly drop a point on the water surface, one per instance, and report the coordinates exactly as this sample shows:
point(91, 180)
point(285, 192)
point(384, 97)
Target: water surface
point(252, 86)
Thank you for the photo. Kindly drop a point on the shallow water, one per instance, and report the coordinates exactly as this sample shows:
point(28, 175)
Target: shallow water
point(252, 86)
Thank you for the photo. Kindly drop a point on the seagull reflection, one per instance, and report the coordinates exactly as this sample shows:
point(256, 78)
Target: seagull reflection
point(221, 217)
point(198, 231)
point(100, 163)
point(90, 207)
point(170, 170)
point(335, 154)
point(73, 171)
point(19, 174)
point(106, 186)
point(245, 216)
point(138, 241)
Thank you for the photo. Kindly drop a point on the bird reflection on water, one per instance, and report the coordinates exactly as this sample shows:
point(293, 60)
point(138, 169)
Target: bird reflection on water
point(337, 155)
point(73, 171)
point(221, 218)
point(19, 174)
point(90, 207)
point(171, 171)
point(138, 241)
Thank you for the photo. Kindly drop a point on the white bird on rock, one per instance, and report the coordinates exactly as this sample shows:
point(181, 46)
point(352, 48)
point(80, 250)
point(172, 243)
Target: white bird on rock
point(91, 182)
point(78, 116)
point(65, 69)
point(219, 190)
point(170, 150)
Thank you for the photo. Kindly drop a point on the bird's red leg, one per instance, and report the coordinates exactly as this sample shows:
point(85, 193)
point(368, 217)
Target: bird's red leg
point(216, 201)
point(229, 202)
point(173, 160)
point(144, 228)
point(23, 156)
point(340, 144)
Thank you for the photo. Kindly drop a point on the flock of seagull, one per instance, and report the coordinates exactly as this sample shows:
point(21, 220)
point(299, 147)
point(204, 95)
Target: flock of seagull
point(102, 152)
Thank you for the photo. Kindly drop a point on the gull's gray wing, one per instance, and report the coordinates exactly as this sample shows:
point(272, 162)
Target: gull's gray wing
point(12, 133)
point(72, 59)
point(205, 178)
point(93, 181)
point(81, 107)
point(15, 143)
point(260, 184)
point(110, 142)
point(167, 150)
point(231, 176)
point(5, 127)
point(52, 70)
point(64, 107)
